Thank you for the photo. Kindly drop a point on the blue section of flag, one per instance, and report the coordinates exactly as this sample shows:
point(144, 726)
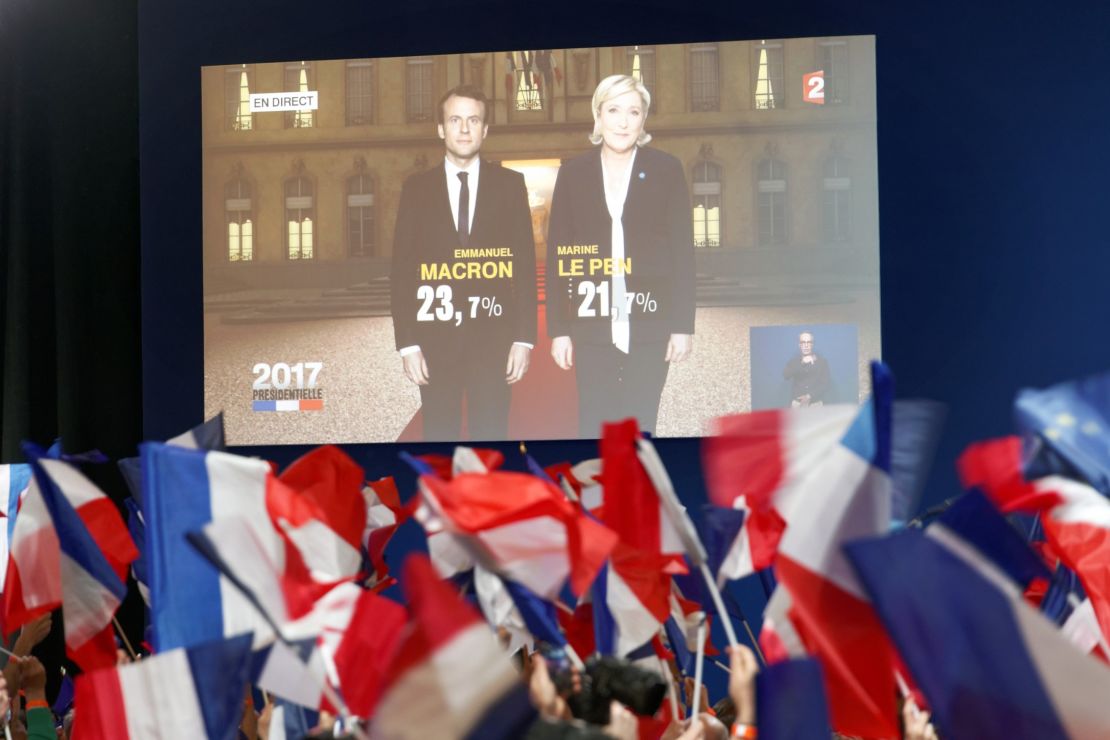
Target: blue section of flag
point(19, 476)
point(1071, 421)
point(605, 628)
point(64, 700)
point(210, 434)
point(185, 603)
point(958, 636)
point(220, 671)
point(536, 469)
point(869, 435)
point(73, 536)
point(790, 701)
point(264, 405)
point(298, 720)
point(506, 718)
point(917, 425)
point(677, 638)
point(1055, 604)
point(538, 614)
point(137, 530)
point(975, 520)
point(719, 530)
point(421, 467)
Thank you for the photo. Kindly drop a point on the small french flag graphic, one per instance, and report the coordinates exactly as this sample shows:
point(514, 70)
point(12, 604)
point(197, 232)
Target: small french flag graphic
point(305, 404)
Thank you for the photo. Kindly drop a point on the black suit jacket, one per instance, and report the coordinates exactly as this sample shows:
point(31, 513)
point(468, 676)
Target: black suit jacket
point(658, 237)
point(425, 236)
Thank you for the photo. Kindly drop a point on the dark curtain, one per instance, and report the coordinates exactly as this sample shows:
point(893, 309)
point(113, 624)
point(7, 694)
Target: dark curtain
point(69, 241)
point(69, 225)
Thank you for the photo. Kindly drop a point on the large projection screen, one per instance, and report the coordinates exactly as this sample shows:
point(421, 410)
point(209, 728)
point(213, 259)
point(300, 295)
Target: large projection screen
point(305, 163)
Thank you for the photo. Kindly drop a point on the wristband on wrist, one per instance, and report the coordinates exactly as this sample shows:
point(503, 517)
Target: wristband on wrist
point(743, 731)
point(37, 704)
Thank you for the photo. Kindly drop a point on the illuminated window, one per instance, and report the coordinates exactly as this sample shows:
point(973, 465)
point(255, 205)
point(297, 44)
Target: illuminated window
point(527, 80)
point(360, 216)
point(771, 188)
point(641, 65)
point(418, 90)
point(837, 186)
point(237, 90)
point(832, 57)
point(769, 87)
point(298, 78)
point(707, 205)
point(705, 85)
point(240, 221)
point(360, 92)
point(299, 218)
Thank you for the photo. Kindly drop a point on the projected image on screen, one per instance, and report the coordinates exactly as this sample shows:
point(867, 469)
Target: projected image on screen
point(520, 244)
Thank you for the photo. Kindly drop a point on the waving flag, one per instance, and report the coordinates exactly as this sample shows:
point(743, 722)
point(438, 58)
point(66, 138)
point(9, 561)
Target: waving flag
point(384, 514)
point(425, 697)
point(989, 664)
point(1070, 421)
point(70, 548)
point(521, 527)
point(758, 463)
point(206, 436)
point(633, 508)
point(190, 602)
point(321, 514)
point(847, 497)
point(790, 701)
point(631, 600)
point(196, 692)
point(1074, 516)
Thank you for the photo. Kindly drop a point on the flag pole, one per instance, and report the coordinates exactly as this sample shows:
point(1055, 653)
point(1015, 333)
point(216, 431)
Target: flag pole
point(676, 512)
point(123, 636)
point(699, 664)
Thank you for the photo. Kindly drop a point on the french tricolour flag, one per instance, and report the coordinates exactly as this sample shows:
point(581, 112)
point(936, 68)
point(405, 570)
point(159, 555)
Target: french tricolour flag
point(631, 600)
point(521, 527)
point(1075, 517)
point(759, 463)
point(989, 664)
point(448, 677)
point(14, 479)
point(70, 548)
point(847, 496)
point(195, 693)
point(183, 489)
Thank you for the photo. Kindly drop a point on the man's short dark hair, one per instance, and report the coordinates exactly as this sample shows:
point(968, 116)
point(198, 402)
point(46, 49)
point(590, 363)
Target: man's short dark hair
point(465, 91)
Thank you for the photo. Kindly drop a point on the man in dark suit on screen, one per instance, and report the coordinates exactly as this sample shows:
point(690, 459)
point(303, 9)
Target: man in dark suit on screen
point(463, 282)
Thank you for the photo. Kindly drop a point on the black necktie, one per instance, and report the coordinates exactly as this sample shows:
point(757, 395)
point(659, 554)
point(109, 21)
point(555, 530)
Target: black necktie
point(464, 210)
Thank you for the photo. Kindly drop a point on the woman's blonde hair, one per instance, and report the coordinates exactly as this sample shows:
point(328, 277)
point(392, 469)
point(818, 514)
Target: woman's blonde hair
point(614, 86)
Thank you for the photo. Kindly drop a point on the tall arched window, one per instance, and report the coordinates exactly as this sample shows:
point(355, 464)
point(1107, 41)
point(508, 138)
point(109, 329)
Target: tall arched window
point(705, 78)
point(419, 107)
point(298, 78)
point(360, 92)
point(837, 190)
point(769, 88)
point(240, 220)
point(237, 92)
point(641, 65)
point(707, 205)
point(771, 189)
point(360, 216)
point(300, 217)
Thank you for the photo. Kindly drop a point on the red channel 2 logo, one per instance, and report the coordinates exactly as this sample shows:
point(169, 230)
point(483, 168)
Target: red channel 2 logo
point(813, 87)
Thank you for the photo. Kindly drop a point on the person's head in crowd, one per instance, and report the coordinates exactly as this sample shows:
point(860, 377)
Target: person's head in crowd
point(620, 108)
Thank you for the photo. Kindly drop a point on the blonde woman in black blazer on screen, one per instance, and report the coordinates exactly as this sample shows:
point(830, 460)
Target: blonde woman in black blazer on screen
point(620, 264)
